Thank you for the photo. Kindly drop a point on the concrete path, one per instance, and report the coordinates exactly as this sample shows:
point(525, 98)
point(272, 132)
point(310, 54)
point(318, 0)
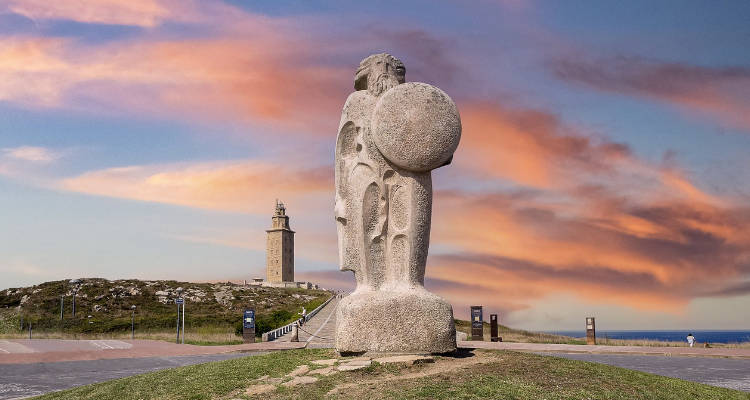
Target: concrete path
point(724, 372)
point(320, 330)
point(599, 349)
point(33, 379)
point(27, 351)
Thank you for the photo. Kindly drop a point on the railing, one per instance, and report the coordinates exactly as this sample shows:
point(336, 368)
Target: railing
point(279, 332)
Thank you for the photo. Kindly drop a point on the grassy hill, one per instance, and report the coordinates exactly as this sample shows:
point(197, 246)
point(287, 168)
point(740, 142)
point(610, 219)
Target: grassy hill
point(104, 307)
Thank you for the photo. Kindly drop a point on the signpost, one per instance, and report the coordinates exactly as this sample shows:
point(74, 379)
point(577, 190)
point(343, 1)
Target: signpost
point(494, 337)
point(590, 330)
point(477, 324)
point(248, 326)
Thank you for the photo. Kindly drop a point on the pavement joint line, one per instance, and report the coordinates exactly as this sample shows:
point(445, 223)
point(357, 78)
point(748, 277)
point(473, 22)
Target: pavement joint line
point(322, 325)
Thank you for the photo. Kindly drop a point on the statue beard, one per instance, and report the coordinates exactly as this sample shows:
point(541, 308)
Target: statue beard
point(382, 83)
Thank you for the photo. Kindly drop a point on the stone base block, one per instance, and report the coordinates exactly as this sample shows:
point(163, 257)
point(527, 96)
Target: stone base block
point(407, 321)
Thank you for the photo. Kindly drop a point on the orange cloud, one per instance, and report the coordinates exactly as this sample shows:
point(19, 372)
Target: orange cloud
point(530, 147)
point(243, 186)
point(270, 78)
point(718, 92)
point(144, 13)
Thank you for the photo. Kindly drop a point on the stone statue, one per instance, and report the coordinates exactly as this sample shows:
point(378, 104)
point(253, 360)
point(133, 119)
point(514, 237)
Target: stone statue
point(391, 135)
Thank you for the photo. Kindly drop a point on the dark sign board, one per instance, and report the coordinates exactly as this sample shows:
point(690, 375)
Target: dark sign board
point(248, 326)
point(179, 301)
point(590, 330)
point(248, 321)
point(477, 328)
point(493, 329)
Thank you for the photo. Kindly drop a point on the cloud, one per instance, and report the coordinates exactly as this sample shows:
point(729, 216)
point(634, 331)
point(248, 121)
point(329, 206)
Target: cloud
point(141, 13)
point(609, 250)
point(241, 186)
point(718, 92)
point(32, 154)
point(529, 146)
point(268, 79)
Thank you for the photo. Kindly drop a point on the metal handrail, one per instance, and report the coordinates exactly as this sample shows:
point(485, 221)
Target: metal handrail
point(279, 332)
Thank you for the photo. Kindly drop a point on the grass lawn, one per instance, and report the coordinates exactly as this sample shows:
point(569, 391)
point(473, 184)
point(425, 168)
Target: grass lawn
point(477, 375)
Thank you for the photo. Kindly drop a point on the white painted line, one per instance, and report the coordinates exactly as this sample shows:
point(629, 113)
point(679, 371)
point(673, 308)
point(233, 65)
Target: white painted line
point(322, 325)
point(5, 351)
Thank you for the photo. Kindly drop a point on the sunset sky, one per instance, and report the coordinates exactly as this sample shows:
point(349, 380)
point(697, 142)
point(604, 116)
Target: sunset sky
point(604, 167)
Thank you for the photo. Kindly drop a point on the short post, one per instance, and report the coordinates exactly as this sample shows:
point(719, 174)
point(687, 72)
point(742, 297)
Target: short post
point(477, 324)
point(295, 333)
point(183, 321)
point(248, 326)
point(590, 330)
point(132, 323)
point(493, 329)
point(29, 330)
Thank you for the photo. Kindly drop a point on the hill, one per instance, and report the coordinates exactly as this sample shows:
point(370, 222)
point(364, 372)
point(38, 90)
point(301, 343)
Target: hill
point(104, 306)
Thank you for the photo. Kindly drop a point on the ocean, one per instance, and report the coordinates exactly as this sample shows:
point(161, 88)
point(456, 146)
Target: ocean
point(672, 336)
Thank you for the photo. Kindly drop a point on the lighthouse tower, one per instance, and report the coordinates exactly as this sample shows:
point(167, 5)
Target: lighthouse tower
point(280, 247)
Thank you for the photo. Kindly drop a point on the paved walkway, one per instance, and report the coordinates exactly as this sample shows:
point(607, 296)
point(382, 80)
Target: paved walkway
point(320, 330)
point(25, 380)
point(27, 351)
point(724, 372)
point(600, 349)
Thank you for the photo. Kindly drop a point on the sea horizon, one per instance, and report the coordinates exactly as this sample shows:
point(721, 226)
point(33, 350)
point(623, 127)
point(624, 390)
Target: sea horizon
point(672, 335)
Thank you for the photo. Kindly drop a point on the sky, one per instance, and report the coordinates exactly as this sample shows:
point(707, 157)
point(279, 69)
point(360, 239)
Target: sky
point(603, 169)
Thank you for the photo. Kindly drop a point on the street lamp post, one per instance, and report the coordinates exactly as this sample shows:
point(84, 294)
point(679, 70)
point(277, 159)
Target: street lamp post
point(76, 288)
point(62, 305)
point(178, 301)
point(132, 323)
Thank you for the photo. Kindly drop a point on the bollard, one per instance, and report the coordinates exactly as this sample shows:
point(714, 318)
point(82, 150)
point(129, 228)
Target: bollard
point(493, 329)
point(295, 333)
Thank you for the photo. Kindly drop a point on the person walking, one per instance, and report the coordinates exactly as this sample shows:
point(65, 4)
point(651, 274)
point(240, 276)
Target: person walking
point(304, 314)
point(690, 339)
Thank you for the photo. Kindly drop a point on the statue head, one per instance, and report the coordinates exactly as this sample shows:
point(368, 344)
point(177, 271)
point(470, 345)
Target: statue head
point(378, 73)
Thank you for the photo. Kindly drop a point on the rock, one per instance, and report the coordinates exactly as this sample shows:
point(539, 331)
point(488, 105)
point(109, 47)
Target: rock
point(259, 389)
point(300, 380)
point(354, 365)
point(301, 370)
point(323, 371)
point(376, 321)
point(405, 359)
point(461, 336)
point(329, 361)
point(391, 135)
point(161, 293)
point(263, 378)
point(275, 381)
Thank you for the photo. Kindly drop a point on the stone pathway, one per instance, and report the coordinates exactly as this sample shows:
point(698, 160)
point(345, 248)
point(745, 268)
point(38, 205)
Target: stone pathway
point(303, 374)
point(320, 330)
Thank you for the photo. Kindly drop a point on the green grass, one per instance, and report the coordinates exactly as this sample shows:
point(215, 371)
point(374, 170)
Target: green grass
point(104, 307)
point(494, 375)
